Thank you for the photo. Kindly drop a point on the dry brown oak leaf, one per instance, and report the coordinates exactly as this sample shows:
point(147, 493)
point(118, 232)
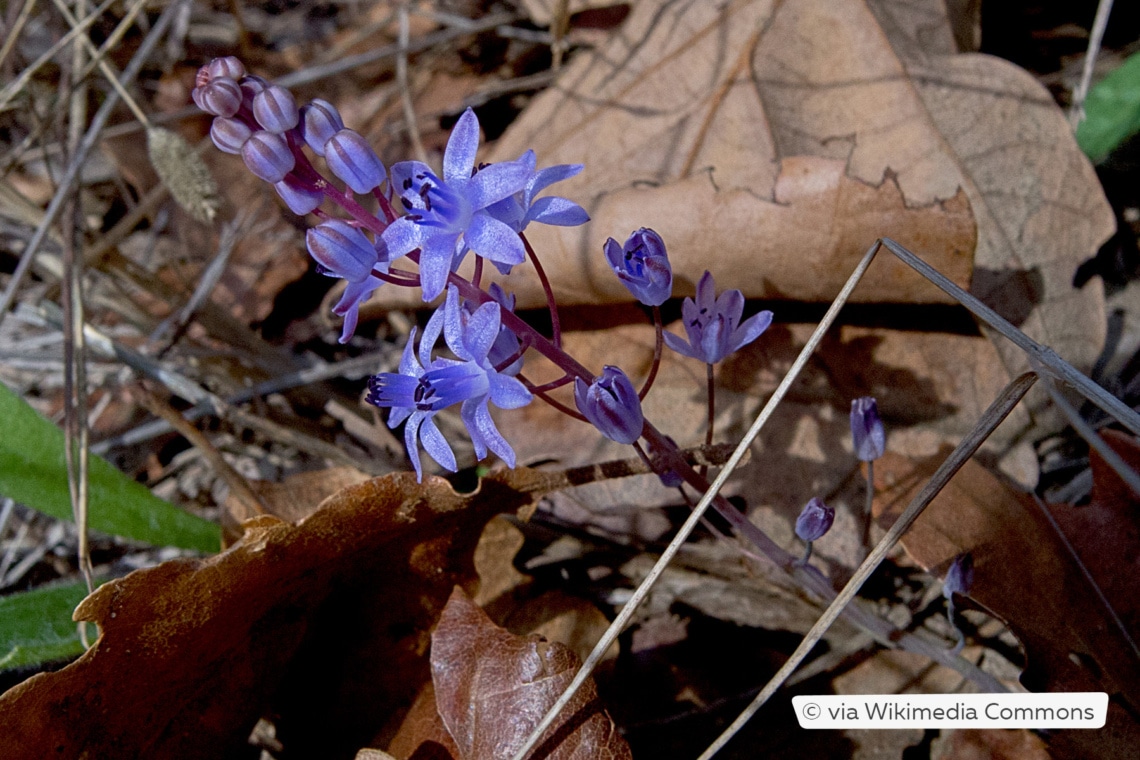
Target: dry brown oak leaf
point(1027, 575)
point(772, 142)
point(493, 687)
point(324, 624)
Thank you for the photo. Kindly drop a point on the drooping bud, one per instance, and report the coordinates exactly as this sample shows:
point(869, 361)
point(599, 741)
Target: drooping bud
point(301, 198)
point(220, 97)
point(319, 122)
point(275, 109)
point(229, 135)
point(814, 521)
point(342, 250)
point(251, 87)
point(229, 66)
point(960, 576)
point(353, 161)
point(643, 266)
point(268, 156)
point(867, 429)
point(611, 405)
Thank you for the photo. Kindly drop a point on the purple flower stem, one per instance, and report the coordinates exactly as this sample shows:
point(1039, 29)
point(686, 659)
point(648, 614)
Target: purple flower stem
point(807, 554)
point(555, 383)
point(524, 344)
point(410, 281)
point(477, 277)
point(555, 325)
point(536, 390)
point(658, 344)
point(711, 383)
point(867, 506)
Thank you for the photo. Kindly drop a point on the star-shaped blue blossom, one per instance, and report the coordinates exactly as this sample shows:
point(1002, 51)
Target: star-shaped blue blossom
point(713, 324)
point(522, 208)
point(446, 217)
point(425, 386)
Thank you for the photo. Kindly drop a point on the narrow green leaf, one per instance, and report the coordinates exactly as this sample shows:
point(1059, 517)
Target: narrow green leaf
point(36, 626)
point(33, 472)
point(1112, 111)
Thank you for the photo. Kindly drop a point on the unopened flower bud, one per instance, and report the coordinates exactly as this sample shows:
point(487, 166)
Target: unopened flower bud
point(960, 576)
point(353, 161)
point(268, 156)
point(275, 109)
point(229, 135)
point(643, 266)
point(251, 87)
point(229, 66)
point(220, 97)
point(342, 250)
point(814, 521)
point(611, 405)
point(867, 429)
point(300, 197)
point(319, 122)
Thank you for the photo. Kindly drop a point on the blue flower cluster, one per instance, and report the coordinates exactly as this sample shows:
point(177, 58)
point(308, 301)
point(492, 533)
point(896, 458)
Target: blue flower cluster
point(435, 220)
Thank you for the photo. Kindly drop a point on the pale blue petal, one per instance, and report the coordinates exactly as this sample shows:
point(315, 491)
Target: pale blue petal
point(494, 240)
point(411, 442)
point(459, 156)
point(752, 328)
point(706, 292)
point(731, 306)
point(507, 392)
point(468, 413)
point(436, 445)
point(453, 325)
point(436, 254)
point(557, 211)
point(548, 176)
point(494, 183)
point(431, 335)
point(482, 329)
point(491, 436)
point(402, 237)
point(680, 346)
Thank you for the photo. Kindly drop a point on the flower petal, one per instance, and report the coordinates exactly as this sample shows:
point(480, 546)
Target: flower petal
point(548, 176)
point(494, 183)
point(436, 445)
point(402, 237)
point(436, 254)
point(459, 156)
point(507, 392)
point(482, 329)
point(680, 346)
point(412, 442)
point(494, 240)
point(431, 335)
point(557, 211)
point(752, 328)
point(491, 435)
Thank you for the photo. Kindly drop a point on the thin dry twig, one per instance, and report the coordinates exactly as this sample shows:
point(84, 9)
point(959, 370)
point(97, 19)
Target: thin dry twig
point(405, 92)
point(1100, 23)
point(71, 175)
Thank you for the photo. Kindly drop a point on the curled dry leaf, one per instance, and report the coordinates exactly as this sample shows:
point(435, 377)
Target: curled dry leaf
point(493, 687)
point(1026, 574)
point(322, 624)
point(772, 142)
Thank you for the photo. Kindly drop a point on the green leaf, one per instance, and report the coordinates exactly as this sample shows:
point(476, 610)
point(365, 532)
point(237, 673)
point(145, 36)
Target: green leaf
point(33, 472)
point(36, 626)
point(1112, 111)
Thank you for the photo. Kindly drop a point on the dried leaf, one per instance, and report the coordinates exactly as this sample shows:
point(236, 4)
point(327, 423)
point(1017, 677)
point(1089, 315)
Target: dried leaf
point(772, 142)
point(1026, 575)
point(493, 687)
point(324, 623)
point(990, 744)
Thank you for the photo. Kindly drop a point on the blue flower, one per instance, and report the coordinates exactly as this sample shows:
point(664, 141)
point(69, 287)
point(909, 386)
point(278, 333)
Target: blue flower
point(518, 210)
point(867, 429)
point(610, 403)
point(642, 265)
point(814, 521)
point(424, 386)
point(446, 216)
point(506, 344)
point(342, 250)
point(713, 324)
